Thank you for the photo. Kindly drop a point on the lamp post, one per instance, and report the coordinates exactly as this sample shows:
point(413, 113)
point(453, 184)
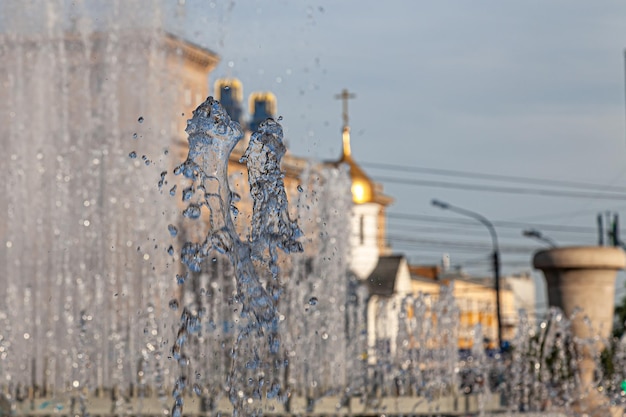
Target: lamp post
point(495, 254)
point(536, 234)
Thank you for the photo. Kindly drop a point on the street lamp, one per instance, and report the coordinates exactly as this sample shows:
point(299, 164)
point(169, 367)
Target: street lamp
point(495, 255)
point(536, 234)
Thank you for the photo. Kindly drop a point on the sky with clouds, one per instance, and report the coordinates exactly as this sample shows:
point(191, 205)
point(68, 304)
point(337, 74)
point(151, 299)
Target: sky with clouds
point(531, 89)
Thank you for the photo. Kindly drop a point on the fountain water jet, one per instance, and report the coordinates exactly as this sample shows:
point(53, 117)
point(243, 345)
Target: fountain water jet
point(212, 138)
point(80, 237)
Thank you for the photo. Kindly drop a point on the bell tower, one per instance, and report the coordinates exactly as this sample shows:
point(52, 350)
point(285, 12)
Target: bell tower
point(367, 232)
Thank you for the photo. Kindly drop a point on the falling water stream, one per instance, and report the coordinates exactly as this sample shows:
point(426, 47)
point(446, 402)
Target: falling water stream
point(82, 224)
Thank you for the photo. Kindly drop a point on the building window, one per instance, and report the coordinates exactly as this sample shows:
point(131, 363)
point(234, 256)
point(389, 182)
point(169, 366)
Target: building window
point(361, 230)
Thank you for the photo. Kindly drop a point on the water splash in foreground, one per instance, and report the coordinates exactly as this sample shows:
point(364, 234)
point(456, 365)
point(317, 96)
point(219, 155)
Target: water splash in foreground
point(212, 138)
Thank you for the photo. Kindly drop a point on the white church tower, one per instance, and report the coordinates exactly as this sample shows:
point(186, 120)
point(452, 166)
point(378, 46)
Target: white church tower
point(368, 213)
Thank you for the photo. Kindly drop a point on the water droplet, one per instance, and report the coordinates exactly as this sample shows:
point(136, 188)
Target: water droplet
point(197, 390)
point(140, 120)
point(173, 304)
point(173, 191)
point(273, 391)
point(134, 135)
point(313, 301)
point(188, 193)
point(300, 189)
point(280, 118)
point(173, 230)
point(192, 212)
point(180, 279)
point(162, 180)
point(132, 155)
point(170, 250)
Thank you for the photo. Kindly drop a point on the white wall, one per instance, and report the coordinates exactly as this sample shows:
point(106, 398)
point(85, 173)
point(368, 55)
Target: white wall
point(363, 239)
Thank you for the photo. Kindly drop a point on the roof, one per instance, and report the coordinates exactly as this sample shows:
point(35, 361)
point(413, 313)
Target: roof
point(200, 55)
point(364, 189)
point(382, 280)
point(419, 278)
point(487, 282)
point(431, 272)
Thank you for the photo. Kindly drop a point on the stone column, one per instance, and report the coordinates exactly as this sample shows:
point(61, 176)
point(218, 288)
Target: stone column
point(583, 277)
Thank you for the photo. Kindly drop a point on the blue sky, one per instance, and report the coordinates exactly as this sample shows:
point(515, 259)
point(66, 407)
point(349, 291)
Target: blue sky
point(532, 89)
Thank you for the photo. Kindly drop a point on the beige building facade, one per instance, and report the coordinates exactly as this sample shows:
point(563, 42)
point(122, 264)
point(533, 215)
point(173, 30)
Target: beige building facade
point(476, 301)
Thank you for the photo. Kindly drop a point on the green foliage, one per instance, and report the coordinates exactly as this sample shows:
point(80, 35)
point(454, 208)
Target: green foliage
point(606, 360)
point(619, 318)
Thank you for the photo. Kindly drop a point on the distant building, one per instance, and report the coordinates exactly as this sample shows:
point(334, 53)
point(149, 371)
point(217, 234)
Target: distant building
point(476, 300)
point(388, 285)
point(262, 106)
point(229, 92)
point(367, 240)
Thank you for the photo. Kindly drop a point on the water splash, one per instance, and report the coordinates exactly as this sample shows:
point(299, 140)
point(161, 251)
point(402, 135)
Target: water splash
point(212, 138)
point(79, 197)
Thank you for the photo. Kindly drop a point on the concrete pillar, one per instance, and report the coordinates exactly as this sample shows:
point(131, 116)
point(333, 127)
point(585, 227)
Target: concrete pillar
point(583, 277)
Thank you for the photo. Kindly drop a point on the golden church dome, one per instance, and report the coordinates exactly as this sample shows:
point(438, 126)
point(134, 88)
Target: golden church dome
point(362, 185)
point(233, 84)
